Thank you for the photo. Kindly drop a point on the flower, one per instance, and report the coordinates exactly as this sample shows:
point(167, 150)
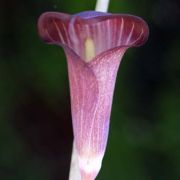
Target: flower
point(94, 43)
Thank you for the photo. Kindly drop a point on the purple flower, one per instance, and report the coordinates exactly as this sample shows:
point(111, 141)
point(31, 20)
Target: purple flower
point(94, 44)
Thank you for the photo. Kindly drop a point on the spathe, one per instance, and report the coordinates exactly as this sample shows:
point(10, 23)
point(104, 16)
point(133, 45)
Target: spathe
point(94, 44)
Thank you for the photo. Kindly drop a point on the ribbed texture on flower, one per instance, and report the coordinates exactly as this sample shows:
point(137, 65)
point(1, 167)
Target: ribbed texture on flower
point(94, 44)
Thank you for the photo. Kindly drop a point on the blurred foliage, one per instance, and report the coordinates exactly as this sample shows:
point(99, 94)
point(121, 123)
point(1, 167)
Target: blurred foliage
point(35, 120)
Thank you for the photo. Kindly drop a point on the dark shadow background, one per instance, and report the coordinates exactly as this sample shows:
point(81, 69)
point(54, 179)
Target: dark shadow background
point(35, 118)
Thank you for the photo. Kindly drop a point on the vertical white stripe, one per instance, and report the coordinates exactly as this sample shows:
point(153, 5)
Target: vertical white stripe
point(100, 37)
point(73, 36)
point(121, 32)
point(130, 34)
point(108, 34)
point(73, 74)
point(82, 108)
point(59, 32)
point(49, 35)
point(67, 37)
point(142, 31)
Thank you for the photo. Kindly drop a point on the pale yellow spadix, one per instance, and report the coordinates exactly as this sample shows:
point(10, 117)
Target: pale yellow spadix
point(89, 49)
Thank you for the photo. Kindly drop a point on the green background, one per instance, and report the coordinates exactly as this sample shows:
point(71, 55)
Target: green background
point(35, 119)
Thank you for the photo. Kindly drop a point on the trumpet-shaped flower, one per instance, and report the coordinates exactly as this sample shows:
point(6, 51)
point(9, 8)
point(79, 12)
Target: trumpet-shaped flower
point(94, 44)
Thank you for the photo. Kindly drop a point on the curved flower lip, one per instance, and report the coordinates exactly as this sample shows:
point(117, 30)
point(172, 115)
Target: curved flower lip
point(67, 30)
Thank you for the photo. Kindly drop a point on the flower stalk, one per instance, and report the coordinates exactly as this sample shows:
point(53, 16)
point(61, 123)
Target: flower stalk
point(102, 5)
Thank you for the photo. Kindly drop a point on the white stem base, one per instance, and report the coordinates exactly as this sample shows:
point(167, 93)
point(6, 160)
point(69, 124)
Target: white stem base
point(74, 169)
